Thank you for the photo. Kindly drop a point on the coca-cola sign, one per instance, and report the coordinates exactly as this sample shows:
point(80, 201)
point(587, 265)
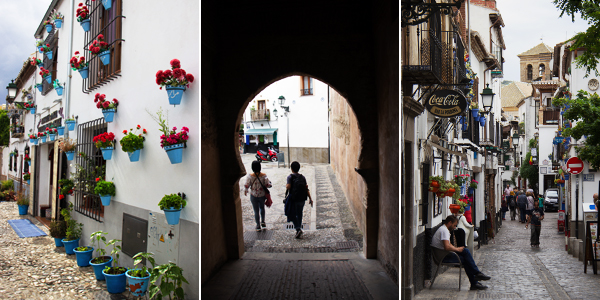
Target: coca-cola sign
point(446, 103)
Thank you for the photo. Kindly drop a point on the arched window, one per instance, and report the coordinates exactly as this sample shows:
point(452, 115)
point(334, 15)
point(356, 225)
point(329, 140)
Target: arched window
point(529, 72)
point(542, 70)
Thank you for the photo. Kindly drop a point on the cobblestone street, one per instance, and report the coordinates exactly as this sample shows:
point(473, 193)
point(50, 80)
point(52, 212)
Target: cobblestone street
point(521, 272)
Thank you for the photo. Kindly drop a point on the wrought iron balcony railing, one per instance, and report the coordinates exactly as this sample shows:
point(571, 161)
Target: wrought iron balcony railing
point(260, 115)
point(305, 92)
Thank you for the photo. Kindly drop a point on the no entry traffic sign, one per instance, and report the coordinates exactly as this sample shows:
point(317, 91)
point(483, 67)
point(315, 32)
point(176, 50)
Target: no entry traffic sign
point(574, 165)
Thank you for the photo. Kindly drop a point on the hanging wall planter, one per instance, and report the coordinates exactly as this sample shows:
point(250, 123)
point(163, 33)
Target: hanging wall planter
point(58, 23)
point(33, 141)
point(48, 78)
point(175, 81)
point(59, 90)
point(105, 199)
point(52, 137)
point(84, 72)
point(175, 153)
point(70, 155)
point(40, 49)
point(475, 112)
point(39, 87)
point(43, 138)
point(482, 121)
point(107, 152)
point(172, 206)
point(70, 124)
point(49, 54)
point(32, 110)
point(107, 4)
point(85, 24)
point(175, 94)
point(60, 130)
point(105, 57)
point(109, 114)
point(49, 28)
point(134, 156)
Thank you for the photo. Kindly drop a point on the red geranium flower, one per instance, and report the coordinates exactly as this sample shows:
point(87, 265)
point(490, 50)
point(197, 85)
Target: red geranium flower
point(124, 131)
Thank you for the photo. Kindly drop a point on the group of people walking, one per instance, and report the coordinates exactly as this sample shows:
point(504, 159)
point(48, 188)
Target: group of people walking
point(529, 206)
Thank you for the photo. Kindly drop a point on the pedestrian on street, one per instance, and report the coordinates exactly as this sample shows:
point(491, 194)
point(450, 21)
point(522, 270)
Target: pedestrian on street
point(522, 203)
point(540, 201)
point(296, 193)
point(530, 201)
point(535, 218)
point(512, 205)
point(507, 191)
point(504, 207)
point(257, 182)
point(441, 240)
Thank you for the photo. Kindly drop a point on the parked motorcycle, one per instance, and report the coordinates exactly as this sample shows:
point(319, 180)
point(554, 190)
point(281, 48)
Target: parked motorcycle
point(271, 155)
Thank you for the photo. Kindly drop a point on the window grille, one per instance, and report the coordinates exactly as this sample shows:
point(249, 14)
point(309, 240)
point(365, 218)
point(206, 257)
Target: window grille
point(109, 24)
point(25, 164)
point(50, 64)
point(307, 85)
point(90, 165)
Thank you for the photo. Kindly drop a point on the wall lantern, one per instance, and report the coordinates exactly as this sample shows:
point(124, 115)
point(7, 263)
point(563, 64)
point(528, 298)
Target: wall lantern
point(12, 89)
point(487, 97)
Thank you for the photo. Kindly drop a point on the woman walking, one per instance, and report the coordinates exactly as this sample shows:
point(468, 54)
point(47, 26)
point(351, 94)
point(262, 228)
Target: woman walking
point(535, 218)
point(257, 182)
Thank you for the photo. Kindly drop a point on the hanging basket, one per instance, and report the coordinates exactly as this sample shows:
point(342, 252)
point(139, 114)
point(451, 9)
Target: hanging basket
point(105, 57)
point(454, 208)
point(49, 28)
point(175, 153)
point(58, 23)
point(175, 94)
point(84, 72)
point(70, 155)
point(107, 153)
point(85, 24)
point(435, 186)
point(70, 125)
point(109, 114)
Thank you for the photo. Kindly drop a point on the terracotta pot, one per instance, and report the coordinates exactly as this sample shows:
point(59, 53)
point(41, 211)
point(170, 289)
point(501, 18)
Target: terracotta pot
point(454, 208)
point(440, 194)
point(434, 183)
point(434, 189)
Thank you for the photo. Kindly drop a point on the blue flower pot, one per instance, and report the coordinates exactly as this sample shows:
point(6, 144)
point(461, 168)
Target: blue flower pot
point(476, 118)
point(40, 87)
point(475, 112)
point(58, 23)
point(40, 49)
point(49, 54)
point(175, 153)
point(70, 125)
point(85, 24)
point(107, 4)
point(109, 114)
point(138, 286)
point(115, 284)
point(33, 141)
point(70, 246)
point(482, 121)
point(49, 28)
point(52, 137)
point(43, 139)
point(29, 164)
point(468, 207)
point(59, 90)
point(175, 94)
point(560, 133)
point(107, 153)
point(58, 242)
point(105, 199)
point(134, 156)
point(28, 180)
point(105, 57)
point(70, 155)
point(84, 72)
point(98, 268)
point(84, 257)
point(23, 209)
point(471, 191)
point(48, 79)
point(172, 215)
point(32, 110)
point(61, 130)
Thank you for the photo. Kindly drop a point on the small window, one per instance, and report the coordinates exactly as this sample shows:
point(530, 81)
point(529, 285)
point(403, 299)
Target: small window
point(542, 69)
point(529, 72)
point(307, 86)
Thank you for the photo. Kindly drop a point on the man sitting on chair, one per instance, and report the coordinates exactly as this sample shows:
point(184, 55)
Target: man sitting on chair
point(441, 240)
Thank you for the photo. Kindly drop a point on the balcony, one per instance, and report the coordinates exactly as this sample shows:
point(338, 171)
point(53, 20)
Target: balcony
point(551, 116)
point(306, 92)
point(260, 115)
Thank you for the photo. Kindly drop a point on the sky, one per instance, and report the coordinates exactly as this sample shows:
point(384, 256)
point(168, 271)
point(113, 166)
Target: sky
point(528, 21)
point(18, 23)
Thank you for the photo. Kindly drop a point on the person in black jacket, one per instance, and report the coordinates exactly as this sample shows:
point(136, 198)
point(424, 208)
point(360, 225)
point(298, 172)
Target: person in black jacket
point(298, 192)
point(522, 203)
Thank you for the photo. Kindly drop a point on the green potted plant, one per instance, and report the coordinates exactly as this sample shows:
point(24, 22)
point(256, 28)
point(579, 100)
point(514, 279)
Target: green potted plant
point(171, 282)
point(102, 260)
point(105, 142)
point(58, 18)
point(49, 26)
point(84, 255)
point(105, 189)
point(101, 49)
point(58, 230)
point(172, 205)
point(27, 177)
point(73, 233)
point(139, 278)
point(473, 186)
point(70, 122)
point(175, 81)
point(83, 17)
point(172, 141)
point(23, 203)
point(434, 183)
point(58, 87)
point(108, 108)
point(132, 143)
point(115, 276)
point(52, 133)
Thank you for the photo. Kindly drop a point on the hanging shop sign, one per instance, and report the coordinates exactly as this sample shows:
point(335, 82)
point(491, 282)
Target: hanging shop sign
point(446, 103)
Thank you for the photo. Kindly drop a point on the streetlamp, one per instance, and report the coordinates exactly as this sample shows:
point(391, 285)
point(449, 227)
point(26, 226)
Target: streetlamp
point(12, 89)
point(515, 139)
point(287, 111)
point(487, 98)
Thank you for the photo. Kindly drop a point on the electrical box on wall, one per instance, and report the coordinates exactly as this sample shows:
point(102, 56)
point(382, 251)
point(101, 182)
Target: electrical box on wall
point(134, 235)
point(163, 239)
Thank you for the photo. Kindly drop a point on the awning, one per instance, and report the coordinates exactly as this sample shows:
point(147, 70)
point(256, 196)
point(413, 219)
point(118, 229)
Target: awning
point(260, 131)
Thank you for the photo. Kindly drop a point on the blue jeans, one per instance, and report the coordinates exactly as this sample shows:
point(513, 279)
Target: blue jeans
point(298, 220)
point(258, 203)
point(468, 263)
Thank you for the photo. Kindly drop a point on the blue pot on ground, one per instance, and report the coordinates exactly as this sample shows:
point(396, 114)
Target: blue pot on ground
point(70, 155)
point(475, 112)
point(23, 209)
point(52, 137)
point(32, 110)
point(134, 156)
point(70, 125)
point(115, 284)
point(107, 4)
point(84, 257)
point(107, 153)
point(109, 114)
point(61, 130)
point(49, 54)
point(43, 139)
point(175, 153)
point(49, 28)
point(59, 90)
point(482, 121)
point(105, 199)
point(85, 24)
point(70, 246)
point(33, 141)
point(84, 72)
point(58, 242)
point(105, 57)
point(40, 88)
point(172, 215)
point(98, 268)
point(175, 94)
point(138, 286)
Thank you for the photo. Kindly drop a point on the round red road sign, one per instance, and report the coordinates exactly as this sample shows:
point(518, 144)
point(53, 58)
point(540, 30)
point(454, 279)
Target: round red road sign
point(574, 165)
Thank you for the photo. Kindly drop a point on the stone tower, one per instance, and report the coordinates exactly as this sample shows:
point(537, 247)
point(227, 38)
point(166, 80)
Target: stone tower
point(535, 63)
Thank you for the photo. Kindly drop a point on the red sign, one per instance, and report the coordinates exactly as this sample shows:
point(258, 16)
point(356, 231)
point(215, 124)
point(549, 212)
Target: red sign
point(574, 165)
point(561, 220)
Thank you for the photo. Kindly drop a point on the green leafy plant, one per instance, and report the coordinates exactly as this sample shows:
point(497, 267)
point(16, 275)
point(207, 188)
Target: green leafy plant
point(439, 179)
point(171, 282)
point(21, 198)
point(26, 176)
point(66, 186)
point(57, 84)
point(115, 254)
point(96, 238)
point(7, 184)
point(172, 200)
point(131, 141)
point(104, 187)
point(142, 271)
point(58, 229)
point(73, 228)
point(83, 248)
point(84, 178)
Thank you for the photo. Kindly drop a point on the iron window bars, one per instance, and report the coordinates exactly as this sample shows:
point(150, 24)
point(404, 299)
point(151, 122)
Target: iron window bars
point(50, 64)
point(90, 166)
point(109, 24)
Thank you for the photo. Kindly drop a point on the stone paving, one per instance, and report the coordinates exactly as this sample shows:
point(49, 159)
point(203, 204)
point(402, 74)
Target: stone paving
point(521, 272)
point(327, 224)
point(33, 268)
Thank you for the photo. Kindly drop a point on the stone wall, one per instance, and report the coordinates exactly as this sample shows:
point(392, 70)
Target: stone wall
point(307, 155)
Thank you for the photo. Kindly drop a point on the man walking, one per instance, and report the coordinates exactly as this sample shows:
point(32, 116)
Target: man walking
point(441, 240)
point(298, 191)
point(534, 218)
point(522, 203)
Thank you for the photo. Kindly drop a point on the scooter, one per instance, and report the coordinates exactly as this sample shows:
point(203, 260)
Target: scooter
point(262, 155)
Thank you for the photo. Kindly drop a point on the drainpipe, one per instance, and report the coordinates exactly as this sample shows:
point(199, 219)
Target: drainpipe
point(328, 131)
point(69, 71)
